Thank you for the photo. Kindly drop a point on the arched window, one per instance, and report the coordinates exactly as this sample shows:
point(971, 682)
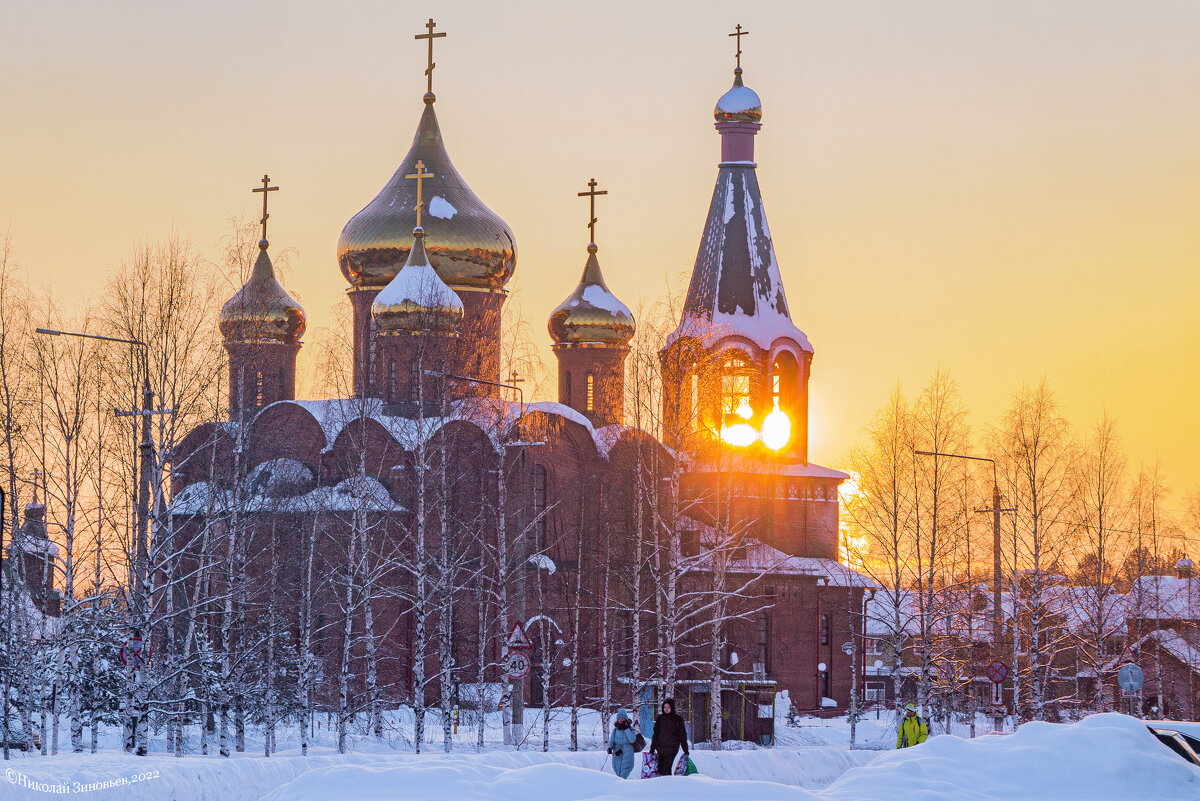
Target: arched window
point(539, 508)
point(391, 386)
point(735, 386)
point(566, 390)
point(258, 388)
point(785, 384)
point(591, 392)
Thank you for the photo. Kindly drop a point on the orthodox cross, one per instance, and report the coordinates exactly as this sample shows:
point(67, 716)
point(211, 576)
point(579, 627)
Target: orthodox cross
point(591, 196)
point(420, 175)
point(265, 188)
point(430, 36)
point(739, 33)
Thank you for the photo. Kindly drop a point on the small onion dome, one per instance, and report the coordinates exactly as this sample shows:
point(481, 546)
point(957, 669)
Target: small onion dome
point(262, 310)
point(739, 104)
point(470, 246)
point(417, 299)
point(592, 314)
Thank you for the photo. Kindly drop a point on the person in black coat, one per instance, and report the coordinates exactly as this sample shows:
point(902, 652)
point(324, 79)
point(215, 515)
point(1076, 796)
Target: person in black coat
point(670, 736)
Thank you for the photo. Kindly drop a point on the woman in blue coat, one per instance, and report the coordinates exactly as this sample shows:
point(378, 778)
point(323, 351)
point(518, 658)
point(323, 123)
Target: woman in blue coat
point(620, 745)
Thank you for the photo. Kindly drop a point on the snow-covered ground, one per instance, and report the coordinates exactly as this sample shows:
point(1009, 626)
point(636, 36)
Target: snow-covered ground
point(1104, 758)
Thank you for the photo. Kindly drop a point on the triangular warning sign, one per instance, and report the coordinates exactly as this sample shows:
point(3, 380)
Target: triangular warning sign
point(517, 637)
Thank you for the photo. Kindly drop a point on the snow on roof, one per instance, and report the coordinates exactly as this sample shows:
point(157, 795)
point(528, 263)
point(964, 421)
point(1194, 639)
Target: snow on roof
point(1164, 598)
point(736, 288)
point(1170, 641)
point(759, 557)
point(740, 463)
point(362, 493)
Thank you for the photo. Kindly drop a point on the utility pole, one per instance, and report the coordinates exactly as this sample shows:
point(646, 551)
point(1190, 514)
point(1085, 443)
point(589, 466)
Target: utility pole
point(136, 702)
point(997, 611)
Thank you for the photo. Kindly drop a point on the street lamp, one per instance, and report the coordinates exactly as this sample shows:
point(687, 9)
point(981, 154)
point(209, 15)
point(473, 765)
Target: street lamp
point(997, 623)
point(146, 448)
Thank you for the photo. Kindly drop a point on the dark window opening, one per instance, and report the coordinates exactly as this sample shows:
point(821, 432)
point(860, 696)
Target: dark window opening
point(824, 629)
point(539, 508)
point(567, 388)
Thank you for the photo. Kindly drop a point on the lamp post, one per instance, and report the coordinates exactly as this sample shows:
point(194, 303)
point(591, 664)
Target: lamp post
point(140, 603)
point(997, 622)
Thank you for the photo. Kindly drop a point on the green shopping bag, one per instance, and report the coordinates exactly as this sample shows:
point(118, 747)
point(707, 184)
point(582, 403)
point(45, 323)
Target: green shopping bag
point(691, 768)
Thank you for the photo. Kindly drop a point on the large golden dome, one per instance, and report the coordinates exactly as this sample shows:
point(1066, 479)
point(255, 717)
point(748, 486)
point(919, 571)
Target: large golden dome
point(470, 247)
point(262, 311)
point(417, 300)
point(592, 315)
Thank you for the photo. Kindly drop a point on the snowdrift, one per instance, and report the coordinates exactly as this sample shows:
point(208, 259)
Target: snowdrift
point(249, 777)
point(1106, 757)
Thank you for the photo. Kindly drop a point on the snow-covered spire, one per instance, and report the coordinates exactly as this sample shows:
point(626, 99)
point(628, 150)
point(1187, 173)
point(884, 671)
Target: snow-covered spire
point(736, 288)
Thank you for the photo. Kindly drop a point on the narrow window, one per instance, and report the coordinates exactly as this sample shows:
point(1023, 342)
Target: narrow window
point(824, 629)
point(258, 389)
point(566, 393)
point(391, 379)
point(764, 640)
point(695, 408)
point(414, 381)
point(735, 387)
point(591, 392)
point(539, 507)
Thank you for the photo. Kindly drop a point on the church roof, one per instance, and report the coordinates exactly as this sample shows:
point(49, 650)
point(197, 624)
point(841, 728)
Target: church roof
point(592, 314)
point(736, 288)
point(262, 310)
point(468, 244)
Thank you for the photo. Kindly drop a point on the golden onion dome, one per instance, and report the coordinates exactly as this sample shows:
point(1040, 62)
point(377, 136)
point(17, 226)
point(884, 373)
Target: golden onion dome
point(471, 247)
point(592, 315)
point(739, 104)
point(417, 299)
point(262, 311)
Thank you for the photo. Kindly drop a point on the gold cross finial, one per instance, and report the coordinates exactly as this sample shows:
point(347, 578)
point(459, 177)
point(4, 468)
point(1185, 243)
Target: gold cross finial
point(265, 188)
point(420, 175)
point(591, 196)
point(739, 33)
point(429, 26)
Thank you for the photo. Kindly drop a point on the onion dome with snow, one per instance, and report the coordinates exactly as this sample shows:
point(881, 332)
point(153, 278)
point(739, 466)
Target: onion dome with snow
point(417, 299)
point(592, 314)
point(739, 104)
point(472, 247)
point(262, 310)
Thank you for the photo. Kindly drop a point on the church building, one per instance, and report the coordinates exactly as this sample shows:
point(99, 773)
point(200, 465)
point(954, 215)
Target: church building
point(412, 522)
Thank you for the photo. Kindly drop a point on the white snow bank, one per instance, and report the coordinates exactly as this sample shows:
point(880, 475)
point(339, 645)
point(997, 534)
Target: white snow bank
point(447, 778)
point(249, 777)
point(1106, 757)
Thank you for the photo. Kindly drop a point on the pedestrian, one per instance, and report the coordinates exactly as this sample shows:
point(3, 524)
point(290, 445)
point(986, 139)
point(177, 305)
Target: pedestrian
point(622, 745)
point(670, 736)
point(913, 730)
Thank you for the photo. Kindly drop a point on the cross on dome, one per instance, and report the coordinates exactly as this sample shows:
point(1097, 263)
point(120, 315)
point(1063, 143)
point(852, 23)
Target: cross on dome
point(265, 188)
point(591, 196)
point(420, 175)
point(430, 35)
point(738, 34)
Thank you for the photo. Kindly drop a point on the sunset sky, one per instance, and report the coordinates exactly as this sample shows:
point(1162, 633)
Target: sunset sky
point(1005, 190)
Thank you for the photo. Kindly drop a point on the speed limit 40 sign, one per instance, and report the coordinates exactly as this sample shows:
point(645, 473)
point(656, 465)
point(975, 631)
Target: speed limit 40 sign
point(517, 664)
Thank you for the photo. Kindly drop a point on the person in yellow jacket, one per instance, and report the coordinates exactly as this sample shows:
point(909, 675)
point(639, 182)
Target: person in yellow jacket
point(912, 729)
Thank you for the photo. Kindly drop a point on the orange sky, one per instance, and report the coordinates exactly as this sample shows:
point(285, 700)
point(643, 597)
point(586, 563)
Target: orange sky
point(1003, 190)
